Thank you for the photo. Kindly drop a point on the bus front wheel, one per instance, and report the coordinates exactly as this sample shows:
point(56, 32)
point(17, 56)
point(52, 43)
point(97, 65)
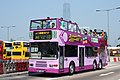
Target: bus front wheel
point(30, 73)
point(94, 65)
point(71, 69)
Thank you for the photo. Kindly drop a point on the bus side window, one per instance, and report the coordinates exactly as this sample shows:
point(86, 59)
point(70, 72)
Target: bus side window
point(44, 23)
point(74, 28)
point(78, 30)
point(63, 25)
point(70, 27)
point(91, 51)
point(48, 24)
point(87, 52)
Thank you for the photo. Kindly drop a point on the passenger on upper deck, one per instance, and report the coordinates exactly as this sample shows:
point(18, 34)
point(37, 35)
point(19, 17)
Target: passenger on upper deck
point(38, 27)
point(85, 32)
point(48, 23)
point(90, 33)
point(105, 36)
point(94, 33)
point(53, 25)
point(102, 34)
point(62, 25)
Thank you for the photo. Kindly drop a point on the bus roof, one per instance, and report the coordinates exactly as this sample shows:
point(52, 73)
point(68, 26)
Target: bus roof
point(7, 41)
point(20, 41)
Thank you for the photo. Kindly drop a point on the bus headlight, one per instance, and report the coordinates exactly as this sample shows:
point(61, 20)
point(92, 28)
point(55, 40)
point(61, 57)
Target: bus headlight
point(31, 65)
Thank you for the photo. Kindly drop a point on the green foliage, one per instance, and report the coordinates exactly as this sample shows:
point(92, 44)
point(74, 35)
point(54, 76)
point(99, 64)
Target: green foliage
point(118, 38)
point(118, 45)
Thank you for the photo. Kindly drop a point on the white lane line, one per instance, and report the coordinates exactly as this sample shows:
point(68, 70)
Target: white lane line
point(52, 78)
point(106, 74)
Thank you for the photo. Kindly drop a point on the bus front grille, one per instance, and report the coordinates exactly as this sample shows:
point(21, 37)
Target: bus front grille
point(41, 64)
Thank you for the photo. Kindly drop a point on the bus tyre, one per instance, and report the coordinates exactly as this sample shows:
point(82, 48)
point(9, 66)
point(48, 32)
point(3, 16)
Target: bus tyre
point(30, 73)
point(100, 65)
point(71, 69)
point(94, 66)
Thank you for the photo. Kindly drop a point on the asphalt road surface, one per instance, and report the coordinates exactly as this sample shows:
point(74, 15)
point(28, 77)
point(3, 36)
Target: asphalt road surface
point(111, 72)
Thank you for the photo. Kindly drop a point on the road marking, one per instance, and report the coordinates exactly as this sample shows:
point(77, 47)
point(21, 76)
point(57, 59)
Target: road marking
point(52, 78)
point(106, 74)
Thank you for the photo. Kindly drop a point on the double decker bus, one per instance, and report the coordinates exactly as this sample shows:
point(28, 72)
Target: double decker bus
point(20, 50)
point(60, 46)
point(7, 47)
point(6, 57)
point(20, 54)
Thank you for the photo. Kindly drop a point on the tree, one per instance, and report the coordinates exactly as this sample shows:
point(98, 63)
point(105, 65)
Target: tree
point(118, 44)
point(119, 38)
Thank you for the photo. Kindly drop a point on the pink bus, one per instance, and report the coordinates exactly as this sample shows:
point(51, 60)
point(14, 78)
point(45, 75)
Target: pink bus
point(60, 46)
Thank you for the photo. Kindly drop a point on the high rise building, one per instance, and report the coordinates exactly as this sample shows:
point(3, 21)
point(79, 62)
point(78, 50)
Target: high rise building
point(66, 11)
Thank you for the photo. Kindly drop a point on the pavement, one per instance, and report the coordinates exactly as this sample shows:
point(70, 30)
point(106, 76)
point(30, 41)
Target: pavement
point(13, 74)
point(110, 64)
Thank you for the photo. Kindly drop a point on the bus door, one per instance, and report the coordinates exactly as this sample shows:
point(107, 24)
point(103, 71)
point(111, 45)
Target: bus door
point(81, 56)
point(61, 59)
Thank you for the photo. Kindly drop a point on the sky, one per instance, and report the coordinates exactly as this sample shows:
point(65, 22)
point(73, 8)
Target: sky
point(18, 13)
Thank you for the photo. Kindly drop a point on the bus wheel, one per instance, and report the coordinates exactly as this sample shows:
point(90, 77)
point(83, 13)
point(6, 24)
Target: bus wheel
point(71, 68)
point(30, 74)
point(100, 65)
point(94, 66)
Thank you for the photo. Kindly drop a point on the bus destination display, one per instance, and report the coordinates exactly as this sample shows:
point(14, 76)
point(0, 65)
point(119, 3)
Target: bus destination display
point(42, 35)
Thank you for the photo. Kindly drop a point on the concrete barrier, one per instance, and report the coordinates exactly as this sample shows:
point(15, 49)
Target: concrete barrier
point(114, 59)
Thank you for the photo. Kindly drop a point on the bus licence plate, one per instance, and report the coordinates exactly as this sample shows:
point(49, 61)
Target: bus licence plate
point(41, 71)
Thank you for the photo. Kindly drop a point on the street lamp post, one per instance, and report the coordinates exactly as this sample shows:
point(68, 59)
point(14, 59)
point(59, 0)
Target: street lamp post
point(8, 28)
point(107, 10)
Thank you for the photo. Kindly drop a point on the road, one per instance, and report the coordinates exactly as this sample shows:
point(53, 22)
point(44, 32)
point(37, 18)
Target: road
point(111, 72)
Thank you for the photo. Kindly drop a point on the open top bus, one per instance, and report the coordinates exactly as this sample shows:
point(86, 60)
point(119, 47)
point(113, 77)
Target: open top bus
point(60, 46)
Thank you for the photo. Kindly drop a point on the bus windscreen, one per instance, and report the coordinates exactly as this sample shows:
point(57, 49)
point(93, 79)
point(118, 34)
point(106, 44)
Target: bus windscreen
point(8, 44)
point(45, 49)
point(26, 44)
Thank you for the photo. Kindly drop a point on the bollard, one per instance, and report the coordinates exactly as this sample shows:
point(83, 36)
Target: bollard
point(118, 59)
point(115, 60)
